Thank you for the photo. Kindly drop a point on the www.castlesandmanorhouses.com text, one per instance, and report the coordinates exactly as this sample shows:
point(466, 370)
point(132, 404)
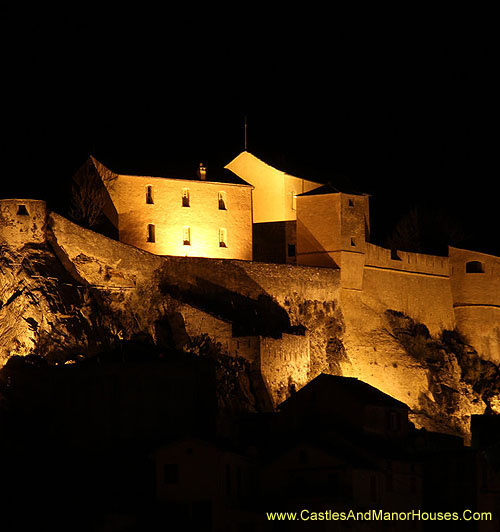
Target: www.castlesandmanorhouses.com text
point(378, 515)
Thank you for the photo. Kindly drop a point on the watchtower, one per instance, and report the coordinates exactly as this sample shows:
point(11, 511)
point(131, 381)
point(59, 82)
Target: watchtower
point(332, 231)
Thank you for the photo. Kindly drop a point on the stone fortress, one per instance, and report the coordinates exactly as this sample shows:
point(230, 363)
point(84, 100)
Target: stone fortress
point(281, 246)
point(295, 221)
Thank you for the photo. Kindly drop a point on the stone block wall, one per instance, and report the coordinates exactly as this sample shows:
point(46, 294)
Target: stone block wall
point(184, 217)
point(22, 221)
point(475, 283)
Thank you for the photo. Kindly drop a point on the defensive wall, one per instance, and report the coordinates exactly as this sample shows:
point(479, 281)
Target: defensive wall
point(475, 281)
point(415, 284)
point(22, 221)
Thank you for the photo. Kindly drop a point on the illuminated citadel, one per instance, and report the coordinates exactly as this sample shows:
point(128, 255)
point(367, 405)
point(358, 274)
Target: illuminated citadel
point(262, 235)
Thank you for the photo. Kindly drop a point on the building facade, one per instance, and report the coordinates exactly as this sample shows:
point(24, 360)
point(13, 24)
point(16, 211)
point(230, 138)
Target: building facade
point(181, 217)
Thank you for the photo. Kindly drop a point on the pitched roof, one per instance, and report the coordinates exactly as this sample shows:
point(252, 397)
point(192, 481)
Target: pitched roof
point(354, 387)
point(331, 189)
point(213, 175)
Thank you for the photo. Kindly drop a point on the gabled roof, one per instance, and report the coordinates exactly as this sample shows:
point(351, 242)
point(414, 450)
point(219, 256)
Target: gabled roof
point(213, 175)
point(352, 386)
point(266, 164)
point(331, 189)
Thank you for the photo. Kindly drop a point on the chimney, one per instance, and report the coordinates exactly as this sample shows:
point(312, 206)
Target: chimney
point(202, 172)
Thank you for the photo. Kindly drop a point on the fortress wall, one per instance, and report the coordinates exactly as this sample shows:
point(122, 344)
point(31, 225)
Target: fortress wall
point(425, 298)
point(95, 259)
point(198, 323)
point(379, 257)
point(284, 362)
point(417, 285)
point(474, 287)
point(251, 279)
point(22, 221)
point(476, 299)
point(480, 325)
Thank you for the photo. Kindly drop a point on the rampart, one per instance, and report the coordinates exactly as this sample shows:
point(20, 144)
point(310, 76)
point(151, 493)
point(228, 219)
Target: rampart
point(475, 282)
point(413, 283)
point(403, 261)
point(22, 221)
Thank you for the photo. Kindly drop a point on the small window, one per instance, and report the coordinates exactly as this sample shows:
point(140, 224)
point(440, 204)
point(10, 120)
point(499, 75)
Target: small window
point(474, 266)
point(151, 233)
point(222, 201)
point(149, 195)
point(353, 242)
point(185, 197)
point(22, 210)
point(291, 250)
point(222, 237)
point(170, 473)
point(294, 201)
point(351, 203)
point(186, 236)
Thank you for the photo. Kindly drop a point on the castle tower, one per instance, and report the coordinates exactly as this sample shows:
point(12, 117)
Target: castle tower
point(22, 221)
point(332, 230)
point(475, 287)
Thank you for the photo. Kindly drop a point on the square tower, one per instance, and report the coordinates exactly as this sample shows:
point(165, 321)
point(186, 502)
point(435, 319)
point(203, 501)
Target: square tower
point(332, 231)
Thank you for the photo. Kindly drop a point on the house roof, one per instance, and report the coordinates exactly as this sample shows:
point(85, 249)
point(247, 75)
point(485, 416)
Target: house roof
point(331, 189)
point(334, 182)
point(213, 174)
point(352, 386)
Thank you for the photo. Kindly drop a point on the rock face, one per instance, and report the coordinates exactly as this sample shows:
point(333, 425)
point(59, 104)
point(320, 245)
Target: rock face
point(272, 327)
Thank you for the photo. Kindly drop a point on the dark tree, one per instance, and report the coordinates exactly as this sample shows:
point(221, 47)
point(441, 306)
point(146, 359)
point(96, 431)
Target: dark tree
point(425, 229)
point(90, 194)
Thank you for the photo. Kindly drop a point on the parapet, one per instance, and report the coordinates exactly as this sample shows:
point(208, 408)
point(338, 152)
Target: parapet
point(22, 221)
point(403, 261)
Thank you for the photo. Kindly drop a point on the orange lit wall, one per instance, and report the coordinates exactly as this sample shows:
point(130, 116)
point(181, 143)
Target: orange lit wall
point(476, 300)
point(22, 221)
point(331, 232)
point(274, 190)
point(170, 218)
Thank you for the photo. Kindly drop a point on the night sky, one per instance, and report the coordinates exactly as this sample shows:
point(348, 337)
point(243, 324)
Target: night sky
point(405, 112)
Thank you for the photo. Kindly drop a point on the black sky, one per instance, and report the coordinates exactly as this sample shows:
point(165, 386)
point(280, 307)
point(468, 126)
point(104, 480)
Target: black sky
point(405, 107)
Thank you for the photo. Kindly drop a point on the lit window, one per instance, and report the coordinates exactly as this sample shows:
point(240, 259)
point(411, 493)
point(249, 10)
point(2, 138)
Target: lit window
point(22, 210)
point(294, 201)
point(151, 233)
point(186, 236)
point(185, 197)
point(149, 195)
point(222, 201)
point(222, 237)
